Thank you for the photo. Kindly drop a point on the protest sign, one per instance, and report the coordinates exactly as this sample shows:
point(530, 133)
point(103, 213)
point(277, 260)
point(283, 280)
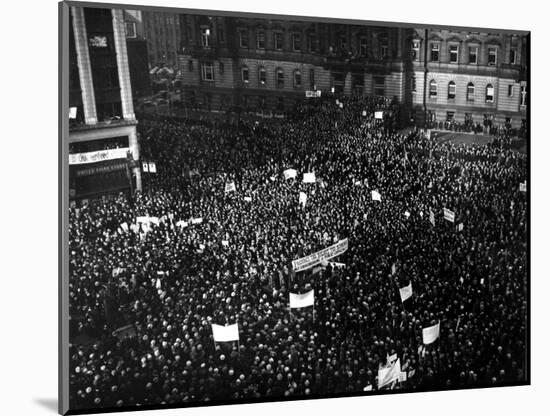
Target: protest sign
point(389, 374)
point(406, 292)
point(460, 227)
point(430, 334)
point(145, 166)
point(152, 167)
point(182, 224)
point(376, 196)
point(124, 226)
point(378, 115)
point(523, 186)
point(302, 300)
point(328, 253)
point(230, 187)
point(247, 198)
point(225, 333)
point(290, 173)
point(302, 200)
point(196, 220)
point(309, 177)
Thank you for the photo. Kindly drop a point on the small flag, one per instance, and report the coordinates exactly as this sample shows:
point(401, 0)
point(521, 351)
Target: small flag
point(406, 292)
point(523, 186)
point(152, 167)
point(72, 112)
point(368, 388)
point(376, 196)
point(378, 115)
point(364, 113)
point(290, 173)
point(225, 243)
point(302, 300)
point(230, 187)
point(460, 227)
point(225, 333)
point(448, 215)
point(303, 199)
point(124, 226)
point(247, 198)
point(430, 334)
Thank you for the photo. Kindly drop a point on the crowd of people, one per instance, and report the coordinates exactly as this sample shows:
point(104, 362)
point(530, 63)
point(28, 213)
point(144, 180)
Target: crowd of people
point(169, 282)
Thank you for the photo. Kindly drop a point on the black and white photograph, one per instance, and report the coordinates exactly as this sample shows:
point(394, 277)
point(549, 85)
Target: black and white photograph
point(275, 207)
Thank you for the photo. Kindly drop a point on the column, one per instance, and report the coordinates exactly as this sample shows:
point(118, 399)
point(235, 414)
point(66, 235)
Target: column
point(84, 67)
point(122, 65)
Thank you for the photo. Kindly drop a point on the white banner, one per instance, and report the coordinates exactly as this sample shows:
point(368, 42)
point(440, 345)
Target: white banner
point(152, 167)
point(309, 178)
point(290, 173)
point(388, 375)
point(364, 113)
point(230, 187)
point(406, 292)
point(98, 156)
point(247, 198)
point(302, 301)
point(124, 226)
point(328, 253)
point(225, 333)
point(182, 224)
point(376, 196)
point(72, 112)
point(378, 115)
point(430, 334)
point(313, 94)
point(303, 199)
point(448, 215)
point(196, 220)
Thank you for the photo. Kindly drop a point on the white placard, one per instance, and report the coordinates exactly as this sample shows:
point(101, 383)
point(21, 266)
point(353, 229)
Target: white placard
point(302, 300)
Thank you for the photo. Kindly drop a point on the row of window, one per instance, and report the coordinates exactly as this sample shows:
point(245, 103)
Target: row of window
point(207, 74)
point(454, 53)
point(470, 92)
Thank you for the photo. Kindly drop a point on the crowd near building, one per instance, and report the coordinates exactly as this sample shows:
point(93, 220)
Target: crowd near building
point(310, 247)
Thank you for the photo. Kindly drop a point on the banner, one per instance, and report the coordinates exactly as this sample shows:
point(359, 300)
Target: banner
point(302, 301)
point(523, 186)
point(430, 334)
point(376, 196)
point(378, 115)
point(309, 178)
point(313, 94)
point(388, 375)
point(247, 198)
point(448, 215)
point(145, 166)
point(147, 220)
point(303, 199)
point(152, 167)
point(196, 220)
point(364, 113)
point(230, 187)
point(98, 156)
point(337, 265)
point(290, 173)
point(182, 224)
point(225, 333)
point(328, 253)
point(406, 292)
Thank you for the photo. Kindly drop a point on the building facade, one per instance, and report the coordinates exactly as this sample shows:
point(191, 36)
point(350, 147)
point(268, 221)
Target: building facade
point(162, 32)
point(265, 65)
point(103, 146)
point(470, 78)
point(138, 56)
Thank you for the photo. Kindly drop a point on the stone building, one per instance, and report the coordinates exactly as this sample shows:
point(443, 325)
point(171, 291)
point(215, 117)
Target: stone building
point(103, 146)
point(162, 32)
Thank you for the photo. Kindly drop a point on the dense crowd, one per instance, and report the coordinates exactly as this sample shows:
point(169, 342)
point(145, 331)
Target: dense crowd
point(171, 282)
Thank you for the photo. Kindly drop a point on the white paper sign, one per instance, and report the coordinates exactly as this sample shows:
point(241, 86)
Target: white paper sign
point(309, 177)
point(378, 115)
point(152, 167)
point(448, 215)
point(225, 333)
point(290, 173)
point(302, 200)
point(406, 292)
point(230, 187)
point(376, 196)
point(430, 334)
point(302, 300)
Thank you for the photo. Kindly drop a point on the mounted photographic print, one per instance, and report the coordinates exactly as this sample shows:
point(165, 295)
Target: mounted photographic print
point(266, 208)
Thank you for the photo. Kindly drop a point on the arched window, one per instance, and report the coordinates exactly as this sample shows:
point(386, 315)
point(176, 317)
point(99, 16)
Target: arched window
point(489, 93)
point(244, 73)
point(452, 91)
point(297, 78)
point(280, 78)
point(433, 88)
point(262, 76)
point(470, 91)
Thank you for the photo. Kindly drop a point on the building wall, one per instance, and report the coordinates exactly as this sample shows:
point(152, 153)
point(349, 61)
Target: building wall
point(162, 32)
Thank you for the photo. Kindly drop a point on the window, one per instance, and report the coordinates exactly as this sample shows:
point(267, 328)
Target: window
point(262, 76)
point(221, 33)
point(492, 59)
point(415, 50)
point(243, 39)
point(222, 68)
point(489, 93)
point(383, 48)
point(297, 79)
point(280, 78)
point(208, 72)
point(278, 40)
point(523, 95)
point(190, 66)
point(413, 84)
point(296, 42)
point(434, 56)
point(513, 55)
point(205, 36)
point(363, 46)
point(379, 86)
point(470, 91)
point(312, 79)
point(451, 91)
point(433, 89)
point(280, 104)
point(453, 54)
point(260, 39)
point(244, 74)
point(510, 90)
point(312, 42)
point(472, 55)
point(450, 116)
point(130, 29)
